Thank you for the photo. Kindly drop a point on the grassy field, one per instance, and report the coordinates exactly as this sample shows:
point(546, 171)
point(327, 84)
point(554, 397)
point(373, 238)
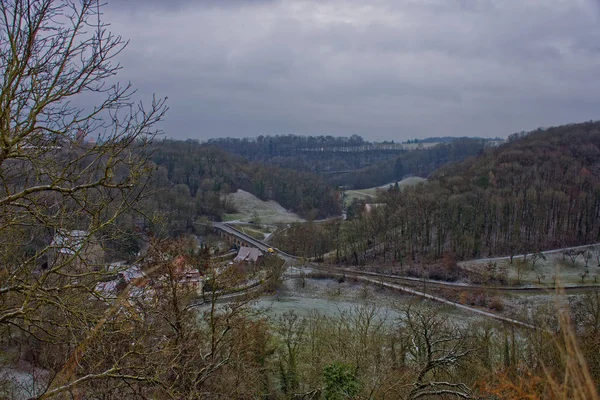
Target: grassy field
point(370, 193)
point(251, 208)
point(555, 268)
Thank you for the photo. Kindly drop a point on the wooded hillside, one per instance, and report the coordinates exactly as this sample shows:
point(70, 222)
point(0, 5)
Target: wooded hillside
point(541, 190)
point(351, 161)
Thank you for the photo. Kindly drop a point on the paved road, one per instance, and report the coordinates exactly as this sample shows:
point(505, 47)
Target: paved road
point(449, 302)
point(226, 228)
point(430, 282)
point(255, 242)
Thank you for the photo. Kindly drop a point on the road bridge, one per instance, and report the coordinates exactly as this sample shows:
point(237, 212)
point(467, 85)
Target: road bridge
point(238, 238)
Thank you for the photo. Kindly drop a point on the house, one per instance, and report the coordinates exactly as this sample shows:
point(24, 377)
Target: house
point(188, 275)
point(369, 207)
point(76, 246)
point(249, 255)
point(131, 277)
point(68, 242)
point(248, 258)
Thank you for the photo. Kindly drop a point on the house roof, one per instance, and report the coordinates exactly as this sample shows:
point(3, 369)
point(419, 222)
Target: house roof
point(69, 242)
point(249, 254)
point(371, 206)
point(132, 275)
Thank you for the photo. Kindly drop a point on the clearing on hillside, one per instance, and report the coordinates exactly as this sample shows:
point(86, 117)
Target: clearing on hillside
point(371, 193)
point(251, 208)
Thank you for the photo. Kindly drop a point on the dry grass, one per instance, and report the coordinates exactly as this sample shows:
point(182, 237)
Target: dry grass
point(567, 379)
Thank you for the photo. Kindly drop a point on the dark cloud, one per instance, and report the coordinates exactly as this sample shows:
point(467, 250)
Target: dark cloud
point(385, 69)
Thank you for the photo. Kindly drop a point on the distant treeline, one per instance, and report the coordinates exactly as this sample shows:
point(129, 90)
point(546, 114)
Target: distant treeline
point(446, 139)
point(417, 163)
point(369, 165)
point(291, 151)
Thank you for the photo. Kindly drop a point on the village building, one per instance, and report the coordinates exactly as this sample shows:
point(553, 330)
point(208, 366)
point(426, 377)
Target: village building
point(188, 275)
point(76, 247)
point(249, 255)
point(131, 278)
point(249, 258)
point(369, 207)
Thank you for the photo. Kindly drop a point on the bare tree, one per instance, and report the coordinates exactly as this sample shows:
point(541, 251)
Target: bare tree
point(587, 255)
point(540, 276)
point(583, 275)
point(67, 172)
point(438, 348)
point(520, 269)
point(573, 255)
point(535, 257)
point(200, 339)
point(596, 251)
point(291, 330)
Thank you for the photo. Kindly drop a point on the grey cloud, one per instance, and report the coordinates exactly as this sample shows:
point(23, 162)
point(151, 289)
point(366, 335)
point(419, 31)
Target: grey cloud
point(178, 5)
point(384, 69)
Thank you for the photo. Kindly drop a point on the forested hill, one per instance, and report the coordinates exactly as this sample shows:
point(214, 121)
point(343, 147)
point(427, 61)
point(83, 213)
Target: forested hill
point(540, 190)
point(318, 154)
point(420, 162)
point(352, 161)
point(199, 175)
point(558, 155)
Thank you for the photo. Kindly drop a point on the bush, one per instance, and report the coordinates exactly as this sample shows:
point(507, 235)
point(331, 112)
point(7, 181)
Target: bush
point(496, 304)
point(340, 382)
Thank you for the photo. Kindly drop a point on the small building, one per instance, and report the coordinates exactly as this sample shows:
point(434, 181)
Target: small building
point(68, 242)
point(131, 277)
point(77, 246)
point(369, 207)
point(185, 274)
point(250, 255)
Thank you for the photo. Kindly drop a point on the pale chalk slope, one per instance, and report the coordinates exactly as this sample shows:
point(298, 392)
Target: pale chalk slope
point(268, 212)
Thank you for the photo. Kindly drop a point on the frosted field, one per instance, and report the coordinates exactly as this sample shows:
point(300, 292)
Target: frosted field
point(268, 212)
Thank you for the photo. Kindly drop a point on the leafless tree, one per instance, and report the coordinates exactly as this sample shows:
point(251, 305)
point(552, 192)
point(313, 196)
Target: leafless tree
point(587, 255)
point(596, 251)
point(540, 276)
point(535, 257)
point(520, 269)
point(437, 348)
point(68, 172)
point(291, 329)
point(573, 255)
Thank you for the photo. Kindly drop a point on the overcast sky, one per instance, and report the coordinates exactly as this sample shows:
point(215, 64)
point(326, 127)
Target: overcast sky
point(383, 69)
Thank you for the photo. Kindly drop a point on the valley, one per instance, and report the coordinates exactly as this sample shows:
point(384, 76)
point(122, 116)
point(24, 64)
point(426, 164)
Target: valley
point(322, 209)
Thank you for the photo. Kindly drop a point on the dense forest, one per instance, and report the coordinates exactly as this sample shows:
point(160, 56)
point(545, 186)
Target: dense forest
point(352, 162)
point(540, 190)
point(420, 162)
point(318, 154)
